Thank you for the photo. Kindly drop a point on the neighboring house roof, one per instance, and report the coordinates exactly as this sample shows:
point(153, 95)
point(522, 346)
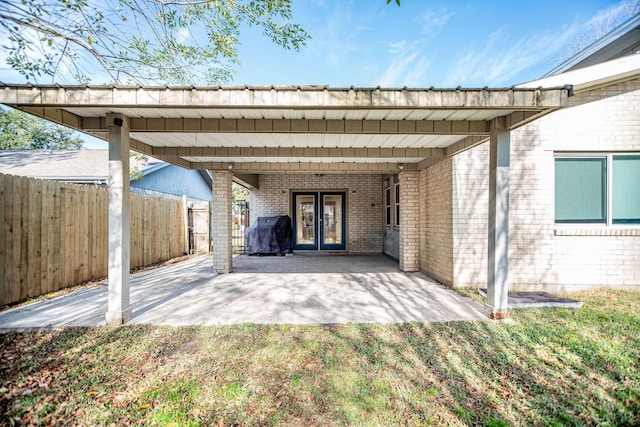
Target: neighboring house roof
point(155, 165)
point(621, 41)
point(77, 166)
point(80, 166)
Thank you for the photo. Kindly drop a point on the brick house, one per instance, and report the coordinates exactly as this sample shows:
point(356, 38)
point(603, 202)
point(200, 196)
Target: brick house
point(457, 183)
point(574, 219)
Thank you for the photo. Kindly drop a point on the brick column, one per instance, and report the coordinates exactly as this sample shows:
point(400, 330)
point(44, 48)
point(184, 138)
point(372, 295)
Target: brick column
point(221, 217)
point(409, 221)
point(423, 217)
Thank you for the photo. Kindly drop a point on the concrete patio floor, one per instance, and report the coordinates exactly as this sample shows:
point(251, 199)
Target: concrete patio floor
point(299, 289)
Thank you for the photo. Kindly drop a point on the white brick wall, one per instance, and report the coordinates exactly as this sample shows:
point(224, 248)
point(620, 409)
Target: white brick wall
point(364, 203)
point(541, 254)
point(470, 185)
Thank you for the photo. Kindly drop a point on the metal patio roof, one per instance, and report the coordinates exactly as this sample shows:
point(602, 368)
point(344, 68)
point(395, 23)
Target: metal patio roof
point(291, 129)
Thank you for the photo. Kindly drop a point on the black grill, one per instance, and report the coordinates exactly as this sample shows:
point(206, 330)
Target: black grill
point(270, 235)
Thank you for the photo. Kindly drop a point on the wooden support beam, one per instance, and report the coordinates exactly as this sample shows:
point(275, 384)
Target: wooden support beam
point(302, 126)
point(305, 167)
point(248, 180)
point(166, 152)
point(465, 144)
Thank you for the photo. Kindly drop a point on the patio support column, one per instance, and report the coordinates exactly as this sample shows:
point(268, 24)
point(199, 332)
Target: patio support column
point(498, 227)
point(119, 308)
point(221, 218)
point(409, 257)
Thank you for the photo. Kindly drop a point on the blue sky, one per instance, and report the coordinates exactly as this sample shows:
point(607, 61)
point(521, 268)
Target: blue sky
point(423, 43)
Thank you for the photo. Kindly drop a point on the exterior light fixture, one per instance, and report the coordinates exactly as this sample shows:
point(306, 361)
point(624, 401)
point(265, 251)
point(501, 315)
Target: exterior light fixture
point(400, 166)
point(231, 165)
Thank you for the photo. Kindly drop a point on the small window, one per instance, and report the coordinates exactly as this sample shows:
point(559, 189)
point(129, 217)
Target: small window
point(387, 202)
point(581, 189)
point(625, 197)
point(397, 188)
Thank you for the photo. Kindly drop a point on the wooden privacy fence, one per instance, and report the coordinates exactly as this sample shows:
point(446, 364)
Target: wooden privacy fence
point(54, 235)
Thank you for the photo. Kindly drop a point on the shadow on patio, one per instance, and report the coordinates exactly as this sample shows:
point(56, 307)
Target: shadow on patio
point(300, 289)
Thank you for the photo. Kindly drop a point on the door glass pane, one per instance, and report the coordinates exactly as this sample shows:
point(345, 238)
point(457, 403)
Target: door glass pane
point(332, 219)
point(626, 189)
point(305, 212)
point(581, 185)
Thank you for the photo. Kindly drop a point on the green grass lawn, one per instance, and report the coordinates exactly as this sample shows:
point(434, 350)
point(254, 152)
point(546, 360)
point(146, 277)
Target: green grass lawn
point(544, 366)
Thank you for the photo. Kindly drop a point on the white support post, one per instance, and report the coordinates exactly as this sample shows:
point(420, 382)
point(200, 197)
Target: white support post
point(119, 308)
point(498, 247)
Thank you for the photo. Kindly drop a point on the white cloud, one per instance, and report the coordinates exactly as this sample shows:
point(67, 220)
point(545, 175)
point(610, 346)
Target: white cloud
point(414, 77)
point(397, 46)
point(431, 21)
point(498, 59)
point(408, 63)
point(396, 70)
point(407, 66)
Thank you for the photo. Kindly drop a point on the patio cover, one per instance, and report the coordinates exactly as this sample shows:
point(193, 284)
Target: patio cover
point(298, 129)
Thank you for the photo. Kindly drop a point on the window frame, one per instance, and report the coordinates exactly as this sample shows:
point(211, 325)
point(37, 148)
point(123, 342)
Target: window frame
point(636, 221)
point(396, 211)
point(609, 221)
point(387, 205)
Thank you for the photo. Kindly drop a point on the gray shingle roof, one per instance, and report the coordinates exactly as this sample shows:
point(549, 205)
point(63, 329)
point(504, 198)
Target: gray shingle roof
point(62, 165)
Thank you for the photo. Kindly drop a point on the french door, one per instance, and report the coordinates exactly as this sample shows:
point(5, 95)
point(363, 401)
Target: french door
point(319, 220)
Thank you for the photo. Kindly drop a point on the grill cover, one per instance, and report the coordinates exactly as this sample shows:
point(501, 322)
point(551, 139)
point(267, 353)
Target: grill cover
point(269, 235)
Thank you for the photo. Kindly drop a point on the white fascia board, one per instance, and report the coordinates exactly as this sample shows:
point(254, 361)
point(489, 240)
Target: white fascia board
point(593, 76)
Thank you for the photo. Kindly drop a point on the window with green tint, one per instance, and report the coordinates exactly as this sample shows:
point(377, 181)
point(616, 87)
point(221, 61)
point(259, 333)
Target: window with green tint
point(626, 189)
point(581, 189)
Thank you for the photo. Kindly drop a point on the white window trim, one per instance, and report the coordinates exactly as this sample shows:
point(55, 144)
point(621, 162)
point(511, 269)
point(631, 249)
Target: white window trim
point(609, 165)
